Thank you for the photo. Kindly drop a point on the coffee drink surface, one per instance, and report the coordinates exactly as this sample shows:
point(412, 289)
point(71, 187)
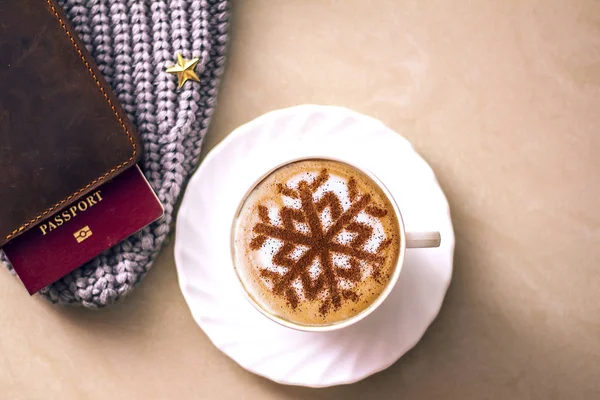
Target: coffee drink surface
point(316, 242)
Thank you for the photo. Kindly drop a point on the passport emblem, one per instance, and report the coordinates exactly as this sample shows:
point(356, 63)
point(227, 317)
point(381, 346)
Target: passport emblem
point(83, 234)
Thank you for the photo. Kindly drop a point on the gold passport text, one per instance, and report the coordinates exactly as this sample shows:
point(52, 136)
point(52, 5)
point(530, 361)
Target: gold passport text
point(70, 213)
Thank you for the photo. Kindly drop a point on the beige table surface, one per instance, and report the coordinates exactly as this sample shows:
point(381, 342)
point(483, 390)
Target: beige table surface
point(501, 97)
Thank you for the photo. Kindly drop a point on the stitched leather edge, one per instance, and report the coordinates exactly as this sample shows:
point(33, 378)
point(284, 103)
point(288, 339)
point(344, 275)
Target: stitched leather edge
point(112, 107)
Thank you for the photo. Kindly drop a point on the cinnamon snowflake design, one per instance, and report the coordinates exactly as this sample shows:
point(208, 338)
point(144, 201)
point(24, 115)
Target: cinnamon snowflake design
point(314, 244)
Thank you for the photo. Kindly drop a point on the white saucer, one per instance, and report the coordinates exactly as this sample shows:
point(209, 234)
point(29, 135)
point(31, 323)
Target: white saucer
point(214, 294)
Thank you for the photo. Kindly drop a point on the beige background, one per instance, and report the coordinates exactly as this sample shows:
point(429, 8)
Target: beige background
point(501, 97)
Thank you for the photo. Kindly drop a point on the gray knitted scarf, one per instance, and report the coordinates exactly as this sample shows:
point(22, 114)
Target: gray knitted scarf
point(133, 41)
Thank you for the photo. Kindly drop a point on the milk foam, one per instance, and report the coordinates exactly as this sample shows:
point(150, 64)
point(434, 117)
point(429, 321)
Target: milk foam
point(339, 186)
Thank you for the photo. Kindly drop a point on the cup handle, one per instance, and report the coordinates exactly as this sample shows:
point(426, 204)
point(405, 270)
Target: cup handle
point(415, 240)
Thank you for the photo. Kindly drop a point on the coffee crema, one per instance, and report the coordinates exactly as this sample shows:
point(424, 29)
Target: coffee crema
point(316, 242)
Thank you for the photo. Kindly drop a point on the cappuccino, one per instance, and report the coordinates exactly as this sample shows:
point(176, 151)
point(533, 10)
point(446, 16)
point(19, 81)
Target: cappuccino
point(316, 242)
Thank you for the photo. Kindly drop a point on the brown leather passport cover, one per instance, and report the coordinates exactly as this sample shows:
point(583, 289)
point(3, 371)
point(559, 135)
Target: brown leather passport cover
point(62, 131)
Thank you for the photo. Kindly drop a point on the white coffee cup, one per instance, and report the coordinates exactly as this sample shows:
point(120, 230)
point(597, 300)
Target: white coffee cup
point(407, 240)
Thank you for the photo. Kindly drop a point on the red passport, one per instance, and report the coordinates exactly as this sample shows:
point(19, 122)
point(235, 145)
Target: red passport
point(78, 233)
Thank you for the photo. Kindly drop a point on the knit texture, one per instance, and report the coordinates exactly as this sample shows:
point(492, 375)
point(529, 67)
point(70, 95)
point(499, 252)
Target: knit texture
point(133, 42)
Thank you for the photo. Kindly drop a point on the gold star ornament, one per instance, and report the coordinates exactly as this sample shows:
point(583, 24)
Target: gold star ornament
point(184, 69)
